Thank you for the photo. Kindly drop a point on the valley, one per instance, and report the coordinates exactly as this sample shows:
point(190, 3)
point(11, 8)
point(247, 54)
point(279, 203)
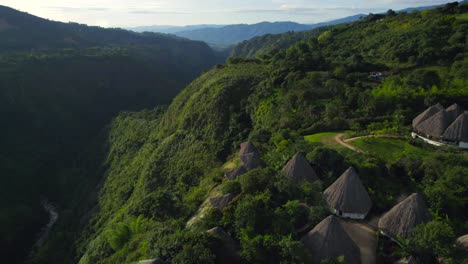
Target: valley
point(297, 148)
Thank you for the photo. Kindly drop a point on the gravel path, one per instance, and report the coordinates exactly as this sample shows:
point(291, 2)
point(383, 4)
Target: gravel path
point(365, 237)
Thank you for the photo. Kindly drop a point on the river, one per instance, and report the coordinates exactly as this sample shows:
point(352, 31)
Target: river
point(53, 216)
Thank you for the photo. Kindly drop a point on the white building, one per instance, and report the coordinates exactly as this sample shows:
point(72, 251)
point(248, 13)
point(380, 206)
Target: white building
point(440, 127)
point(347, 197)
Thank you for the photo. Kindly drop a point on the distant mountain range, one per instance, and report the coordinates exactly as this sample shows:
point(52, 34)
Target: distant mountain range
point(173, 29)
point(223, 36)
point(233, 34)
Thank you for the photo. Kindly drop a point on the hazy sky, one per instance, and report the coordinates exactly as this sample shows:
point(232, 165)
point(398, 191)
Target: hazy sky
point(125, 13)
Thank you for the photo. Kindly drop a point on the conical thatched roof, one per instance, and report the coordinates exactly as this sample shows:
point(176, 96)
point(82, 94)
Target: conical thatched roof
point(454, 111)
point(249, 156)
point(221, 202)
point(329, 240)
point(219, 233)
point(426, 114)
point(462, 242)
point(347, 194)
point(403, 217)
point(252, 161)
point(458, 130)
point(435, 125)
point(247, 147)
point(150, 261)
point(233, 174)
point(299, 169)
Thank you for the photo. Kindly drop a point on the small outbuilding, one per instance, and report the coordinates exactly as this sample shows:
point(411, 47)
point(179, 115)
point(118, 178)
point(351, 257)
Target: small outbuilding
point(458, 131)
point(299, 170)
point(439, 126)
point(347, 197)
point(427, 113)
point(462, 242)
point(221, 202)
point(404, 217)
point(233, 174)
point(151, 261)
point(329, 240)
point(250, 157)
point(434, 126)
point(246, 148)
point(454, 111)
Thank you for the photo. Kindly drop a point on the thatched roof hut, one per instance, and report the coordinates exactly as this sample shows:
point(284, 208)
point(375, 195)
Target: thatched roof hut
point(458, 130)
point(299, 169)
point(426, 114)
point(347, 196)
point(250, 157)
point(219, 233)
point(252, 161)
point(221, 202)
point(435, 125)
point(329, 240)
point(462, 242)
point(403, 217)
point(151, 261)
point(233, 174)
point(246, 148)
point(454, 111)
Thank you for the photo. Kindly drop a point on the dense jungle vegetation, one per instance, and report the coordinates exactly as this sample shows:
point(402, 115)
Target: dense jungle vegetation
point(60, 85)
point(159, 166)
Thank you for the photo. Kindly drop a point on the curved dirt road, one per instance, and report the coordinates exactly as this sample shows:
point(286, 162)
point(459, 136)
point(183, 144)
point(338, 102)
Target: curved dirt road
point(344, 143)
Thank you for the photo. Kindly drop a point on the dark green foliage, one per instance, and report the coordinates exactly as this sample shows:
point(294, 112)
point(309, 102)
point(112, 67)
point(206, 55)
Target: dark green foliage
point(165, 164)
point(338, 260)
point(424, 78)
point(255, 180)
point(24, 32)
point(233, 187)
point(445, 188)
point(60, 85)
point(431, 240)
point(196, 250)
point(265, 46)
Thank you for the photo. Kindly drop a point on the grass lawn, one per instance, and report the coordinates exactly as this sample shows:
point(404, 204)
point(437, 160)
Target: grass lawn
point(463, 16)
point(389, 149)
point(325, 138)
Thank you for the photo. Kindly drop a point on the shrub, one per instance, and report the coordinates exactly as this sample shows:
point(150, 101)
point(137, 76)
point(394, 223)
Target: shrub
point(255, 180)
point(431, 240)
point(233, 187)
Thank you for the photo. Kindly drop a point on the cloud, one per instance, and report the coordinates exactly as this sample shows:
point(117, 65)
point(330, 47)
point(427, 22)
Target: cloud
point(152, 12)
point(302, 10)
point(184, 12)
point(78, 9)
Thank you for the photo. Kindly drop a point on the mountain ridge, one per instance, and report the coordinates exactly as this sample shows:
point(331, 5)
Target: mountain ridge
point(22, 32)
point(224, 36)
point(60, 85)
point(162, 166)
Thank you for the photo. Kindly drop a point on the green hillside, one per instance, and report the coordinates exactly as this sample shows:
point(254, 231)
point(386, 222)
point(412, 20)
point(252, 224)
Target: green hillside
point(161, 165)
point(377, 38)
point(271, 43)
point(60, 85)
